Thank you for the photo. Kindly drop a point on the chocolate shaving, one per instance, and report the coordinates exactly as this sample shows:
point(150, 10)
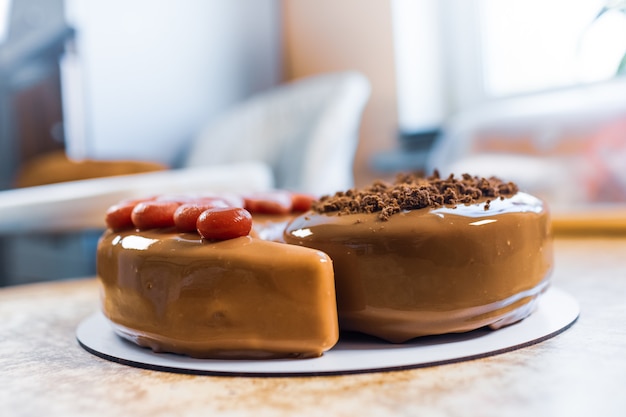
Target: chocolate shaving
point(413, 191)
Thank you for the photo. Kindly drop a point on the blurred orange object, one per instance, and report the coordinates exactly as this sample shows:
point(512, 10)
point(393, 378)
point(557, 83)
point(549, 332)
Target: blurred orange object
point(55, 167)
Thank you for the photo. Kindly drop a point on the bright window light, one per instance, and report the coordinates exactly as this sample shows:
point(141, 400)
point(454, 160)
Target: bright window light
point(456, 54)
point(533, 45)
point(5, 7)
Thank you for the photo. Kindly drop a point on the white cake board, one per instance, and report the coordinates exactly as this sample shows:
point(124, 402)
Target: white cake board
point(556, 312)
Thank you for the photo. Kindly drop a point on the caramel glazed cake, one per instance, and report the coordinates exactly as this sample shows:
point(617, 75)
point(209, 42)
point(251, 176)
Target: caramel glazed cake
point(420, 256)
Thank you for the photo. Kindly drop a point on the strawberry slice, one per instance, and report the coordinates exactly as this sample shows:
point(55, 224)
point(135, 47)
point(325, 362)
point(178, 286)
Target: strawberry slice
point(271, 202)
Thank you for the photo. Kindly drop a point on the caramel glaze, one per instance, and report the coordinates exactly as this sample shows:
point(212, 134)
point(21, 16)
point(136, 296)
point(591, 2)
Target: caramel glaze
point(434, 270)
point(239, 298)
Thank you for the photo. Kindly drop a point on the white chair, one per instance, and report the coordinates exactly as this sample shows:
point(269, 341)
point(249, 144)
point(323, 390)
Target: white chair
point(306, 131)
point(300, 136)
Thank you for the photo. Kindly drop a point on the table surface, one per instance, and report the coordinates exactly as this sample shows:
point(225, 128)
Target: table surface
point(581, 372)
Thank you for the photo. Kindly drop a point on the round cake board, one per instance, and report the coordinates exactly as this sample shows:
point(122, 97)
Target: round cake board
point(556, 312)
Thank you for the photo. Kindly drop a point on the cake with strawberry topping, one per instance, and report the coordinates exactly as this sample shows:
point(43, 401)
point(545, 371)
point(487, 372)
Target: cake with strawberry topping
point(190, 275)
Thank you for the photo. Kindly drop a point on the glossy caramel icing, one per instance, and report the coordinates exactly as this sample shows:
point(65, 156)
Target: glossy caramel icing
point(434, 270)
point(238, 298)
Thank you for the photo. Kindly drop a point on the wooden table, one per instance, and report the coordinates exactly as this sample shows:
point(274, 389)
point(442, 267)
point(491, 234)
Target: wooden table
point(581, 372)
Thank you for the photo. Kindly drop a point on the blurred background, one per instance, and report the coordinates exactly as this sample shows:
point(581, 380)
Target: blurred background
point(530, 90)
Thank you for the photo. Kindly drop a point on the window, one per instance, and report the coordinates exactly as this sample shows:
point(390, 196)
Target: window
point(455, 54)
point(533, 45)
point(4, 19)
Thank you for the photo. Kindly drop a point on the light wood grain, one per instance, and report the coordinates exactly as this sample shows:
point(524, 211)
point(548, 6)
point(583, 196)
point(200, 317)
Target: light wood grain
point(593, 219)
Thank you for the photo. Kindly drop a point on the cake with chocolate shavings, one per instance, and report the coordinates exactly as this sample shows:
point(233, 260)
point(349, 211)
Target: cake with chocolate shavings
point(415, 191)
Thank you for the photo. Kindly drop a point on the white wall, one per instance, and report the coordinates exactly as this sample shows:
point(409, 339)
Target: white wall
point(154, 71)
